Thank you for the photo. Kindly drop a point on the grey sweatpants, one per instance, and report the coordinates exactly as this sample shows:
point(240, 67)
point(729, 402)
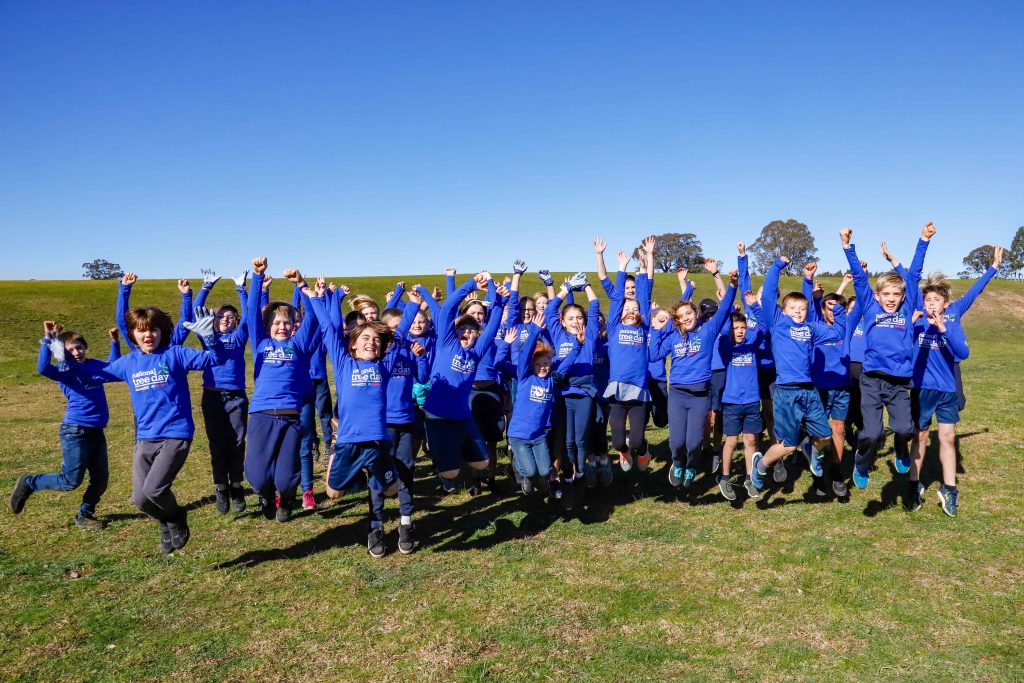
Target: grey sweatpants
point(154, 467)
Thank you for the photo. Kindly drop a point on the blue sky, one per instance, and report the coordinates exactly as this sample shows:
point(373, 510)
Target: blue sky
point(395, 138)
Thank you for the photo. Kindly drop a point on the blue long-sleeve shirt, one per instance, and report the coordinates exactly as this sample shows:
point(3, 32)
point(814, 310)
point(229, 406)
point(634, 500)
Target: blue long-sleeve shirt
point(158, 386)
point(936, 353)
point(280, 368)
point(830, 363)
point(454, 368)
point(888, 336)
point(230, 374)
point(692, 351)
point(535, 395)
point(740, 360)
point(755, 323)
point(178, 334)
point(318, 360)
point(627, 344)
point(792, 342)
point(82, 385)
point(581, 372)
point(403, 370)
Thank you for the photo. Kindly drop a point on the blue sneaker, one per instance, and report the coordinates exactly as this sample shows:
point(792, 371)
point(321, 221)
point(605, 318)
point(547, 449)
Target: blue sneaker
point(813, 461)
point(861, 477)
point(947, 498)
point(756, 476)
point(675, 475)
point(688, 477)
point(902, 462)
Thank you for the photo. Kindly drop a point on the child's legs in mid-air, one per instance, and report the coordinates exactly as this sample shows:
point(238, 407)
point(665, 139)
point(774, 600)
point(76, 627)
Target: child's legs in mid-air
point(307, 441)
point(402, 438)
point(262, 448)
point(579, 412)
point(154, 468)
point(83, 449)
point(287, 463)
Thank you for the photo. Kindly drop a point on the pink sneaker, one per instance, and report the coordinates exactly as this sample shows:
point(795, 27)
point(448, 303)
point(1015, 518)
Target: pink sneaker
point(277, 502)
point(308, 502)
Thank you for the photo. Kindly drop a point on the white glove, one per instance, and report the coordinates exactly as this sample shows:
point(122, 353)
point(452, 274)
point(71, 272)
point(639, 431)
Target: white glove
point(240, 280)
point(519, 266)
point(203, 326)
point(545, 277)
point(209, 279)
point(578, 282)
point(56, 345)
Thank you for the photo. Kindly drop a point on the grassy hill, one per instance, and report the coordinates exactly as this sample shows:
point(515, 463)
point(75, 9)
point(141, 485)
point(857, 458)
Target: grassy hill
point(642, 584)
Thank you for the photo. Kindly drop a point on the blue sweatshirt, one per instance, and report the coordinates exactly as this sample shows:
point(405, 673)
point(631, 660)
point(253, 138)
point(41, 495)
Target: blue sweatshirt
point(936, 353)
point(691, 351)
point(280, 368)
point(740, 362)
point(535, 395)
point(454, 368)
point(581, 372)
point(401, 365)
point(231, 374)
point(158, 386)
point(627, 344)
point(361, 385)
point(82, 385)
point(792, 342)
point(830, 363)
point(888, 337)
point(755, 323)
point(486, 370)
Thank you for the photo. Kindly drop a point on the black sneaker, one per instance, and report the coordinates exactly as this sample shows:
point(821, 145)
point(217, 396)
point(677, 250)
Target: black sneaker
point(725, 486)
point(839, 488)
point(166, 547)
point(475, 489)
point(912, 499)
point(406, 544)
point(20, 494)
point(526, 486)
point(268, 505)
point(222, 501)
point(284, 510)
point(237, 499)
point(568, 494)
point(179, 530)
point(492, 484)
point(375, 542)
point(89, 522)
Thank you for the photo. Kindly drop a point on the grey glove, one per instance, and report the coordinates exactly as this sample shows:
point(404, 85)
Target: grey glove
point(209, 279)
point(578, 282)
point(240, 280)
point(56, 345)
point(545, 277)
point(519, 266)
point(203, 326)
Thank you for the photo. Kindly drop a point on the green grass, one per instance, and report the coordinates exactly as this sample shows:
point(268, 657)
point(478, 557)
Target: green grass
point(640, 585)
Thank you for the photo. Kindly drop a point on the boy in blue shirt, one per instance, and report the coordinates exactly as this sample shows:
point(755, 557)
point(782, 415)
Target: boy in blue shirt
point(83, 442)
point(796, 401)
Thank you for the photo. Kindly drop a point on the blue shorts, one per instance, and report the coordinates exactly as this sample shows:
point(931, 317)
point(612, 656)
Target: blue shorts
point(741, 418)
point(453, 442)
point(717, 389)
point(943, 405)
point(836, 403)
point(795, 405)
point(351, 458)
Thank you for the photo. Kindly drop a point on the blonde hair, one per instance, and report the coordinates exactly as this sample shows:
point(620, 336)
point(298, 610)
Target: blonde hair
point(358, 303)
point(890, 279)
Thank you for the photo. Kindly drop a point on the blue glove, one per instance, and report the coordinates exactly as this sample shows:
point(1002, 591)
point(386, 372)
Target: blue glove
point(545, 277)
point(519, 266)
point(578, 282)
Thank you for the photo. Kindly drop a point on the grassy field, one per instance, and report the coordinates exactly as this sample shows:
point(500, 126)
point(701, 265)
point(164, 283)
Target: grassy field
point(641, 584)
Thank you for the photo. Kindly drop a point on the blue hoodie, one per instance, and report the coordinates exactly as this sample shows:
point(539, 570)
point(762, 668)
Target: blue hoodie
point(454, 368)
point(936, 353)
point(82, 385)
point(280, 368)
point(627, 344)
point(740, 362)
point(231, 374)
point(581, 372)
point(535, 395)
point(691, 351)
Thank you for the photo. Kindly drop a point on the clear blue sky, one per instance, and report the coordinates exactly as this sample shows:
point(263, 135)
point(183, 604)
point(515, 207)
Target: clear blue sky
point(385, 138)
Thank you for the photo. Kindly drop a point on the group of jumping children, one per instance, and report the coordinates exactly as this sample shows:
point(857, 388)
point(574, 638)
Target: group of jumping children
point(453, 378)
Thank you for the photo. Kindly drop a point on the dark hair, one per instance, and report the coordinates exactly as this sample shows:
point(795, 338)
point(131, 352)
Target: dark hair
point(141, 319)
point(70, 337)
point(382, 330)
point(353, 319)
point(793, 296)
point(273, 308)
point(834, 298)
point(940, 289)
point(739, 317)
point(228, 307)
point(569, 307)
point(467, 321)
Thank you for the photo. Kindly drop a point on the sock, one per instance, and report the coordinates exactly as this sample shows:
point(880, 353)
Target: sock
point(406, 520)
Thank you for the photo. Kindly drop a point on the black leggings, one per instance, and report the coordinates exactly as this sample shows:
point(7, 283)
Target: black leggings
point(636, 413)
point(659, 401)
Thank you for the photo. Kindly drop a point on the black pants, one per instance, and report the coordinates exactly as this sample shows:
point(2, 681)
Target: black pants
point(659, 402)
point(226, 416)
point(635, 412)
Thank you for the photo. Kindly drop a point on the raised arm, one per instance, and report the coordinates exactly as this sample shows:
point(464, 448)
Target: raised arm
point(254, 313)
point(964, 302)
point(813, 310)
point(725, 307)
point(449, 282)
point(445, 322)
point(524, 367)
point(836, 331)
point(489, 333)
point(115, 346)
point(396, 295)
point(861, 286)
point(333, 337)
point(770, 293)
point(602, 271)
point(124, 292)
point(185, 315)
point(432, 305)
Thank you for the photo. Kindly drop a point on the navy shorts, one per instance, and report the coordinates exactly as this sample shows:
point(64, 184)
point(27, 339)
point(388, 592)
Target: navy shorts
point(351, 458)
point(717, 389)
point(836, 403)
point(795, 405)
point(453, 442)
point(943, 405)
point(741, 418)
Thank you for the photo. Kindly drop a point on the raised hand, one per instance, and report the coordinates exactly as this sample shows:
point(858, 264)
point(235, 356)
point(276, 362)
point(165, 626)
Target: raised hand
point(600, 245)
point(888, 254)
point(711, 265)
point(578, 282)
point(209, 278)
point(784, 259)
point(331, 287)
point(449, 272)
point(648, 244)
point(623, 260)
point(183, 286)
point(203, 325)
point(846, 234)
point(997, 257)
point(545, 277)
point(240, 280)
point(321, 286)
point(129, 279)
point(864, 265)
point(734, 277)
point(928, 231)
point(435, 293)
point(750, 298)
point(819, 290)
point(50, 329)
point(113, 334)
point(502, 291)
point(847, 278)
point(511, 335)
point(266, 282)
point(259, 264)
point(809, 270)
point(345, 290)
point(519, 266)
point(742, 248)
point(414, 296)
point(682, 274)
point(293, 275)
point(482, 278)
